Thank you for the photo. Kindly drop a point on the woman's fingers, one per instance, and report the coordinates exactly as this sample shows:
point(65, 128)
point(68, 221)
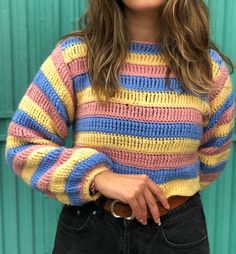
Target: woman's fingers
point(159, 193)
point(152, 204)
point(136, 209)
point(143, 206)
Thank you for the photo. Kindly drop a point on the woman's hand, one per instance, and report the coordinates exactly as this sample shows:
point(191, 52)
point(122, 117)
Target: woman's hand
point(135, 189)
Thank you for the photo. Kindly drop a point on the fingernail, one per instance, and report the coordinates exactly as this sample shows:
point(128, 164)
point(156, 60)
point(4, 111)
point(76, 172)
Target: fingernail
point(158, 222)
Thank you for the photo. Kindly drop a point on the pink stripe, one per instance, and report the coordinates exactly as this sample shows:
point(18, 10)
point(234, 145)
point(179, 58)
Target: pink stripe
point(219, 83)
point(145, 70)
point(64, 72)
point(46, 178)
point(21, 157)
point(140, 113)
point(209, 177)
point(23, 132)
point(150, 161)
point(41, 99)
point(78, 66)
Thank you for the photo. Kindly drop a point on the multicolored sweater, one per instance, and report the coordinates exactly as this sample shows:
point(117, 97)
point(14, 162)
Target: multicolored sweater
point(180, 140)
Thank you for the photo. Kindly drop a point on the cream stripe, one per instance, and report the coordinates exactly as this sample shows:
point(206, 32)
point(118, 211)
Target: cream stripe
point(183, 187)
point(32, 162)
point(14, 141)
point(142, 98)
point(214, 159)
point(37, 113)
point(137, 144)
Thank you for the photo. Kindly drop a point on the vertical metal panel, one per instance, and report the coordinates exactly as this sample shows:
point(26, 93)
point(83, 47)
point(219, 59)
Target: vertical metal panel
point(219, 198)
point(29, 30)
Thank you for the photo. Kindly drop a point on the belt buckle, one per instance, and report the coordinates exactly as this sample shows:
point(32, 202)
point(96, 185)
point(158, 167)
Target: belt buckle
point(131, 217)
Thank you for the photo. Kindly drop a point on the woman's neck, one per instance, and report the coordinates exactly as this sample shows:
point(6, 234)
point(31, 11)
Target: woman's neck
point(143, 25)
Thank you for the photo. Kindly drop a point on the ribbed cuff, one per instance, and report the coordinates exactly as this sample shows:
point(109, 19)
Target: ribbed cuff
point(86, 193)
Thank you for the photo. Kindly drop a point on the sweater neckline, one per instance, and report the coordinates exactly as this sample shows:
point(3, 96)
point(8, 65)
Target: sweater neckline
point(144, 47)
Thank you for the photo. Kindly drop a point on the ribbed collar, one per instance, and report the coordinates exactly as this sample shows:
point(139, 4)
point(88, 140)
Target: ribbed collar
point(144, 47)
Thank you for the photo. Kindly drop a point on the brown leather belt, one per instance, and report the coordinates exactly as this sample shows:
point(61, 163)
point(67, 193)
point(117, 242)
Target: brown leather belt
point(120, 209)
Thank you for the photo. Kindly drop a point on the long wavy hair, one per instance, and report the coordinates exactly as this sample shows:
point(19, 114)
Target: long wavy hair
point(185, 42)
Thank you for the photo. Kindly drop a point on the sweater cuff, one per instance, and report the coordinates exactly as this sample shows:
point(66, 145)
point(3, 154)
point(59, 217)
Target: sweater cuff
point(87, 181)
point(203, 186)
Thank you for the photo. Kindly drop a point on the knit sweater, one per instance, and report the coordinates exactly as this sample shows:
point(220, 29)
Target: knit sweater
point(180, 140)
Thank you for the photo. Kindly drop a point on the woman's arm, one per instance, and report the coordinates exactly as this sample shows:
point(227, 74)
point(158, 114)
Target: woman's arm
point(216, 142)
point(35, 148)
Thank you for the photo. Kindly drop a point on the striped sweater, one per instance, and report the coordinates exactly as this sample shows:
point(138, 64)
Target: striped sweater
point(180, 140)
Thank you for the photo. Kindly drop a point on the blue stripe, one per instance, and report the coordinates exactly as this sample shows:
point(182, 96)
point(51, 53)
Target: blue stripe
point(144, 48)
point(214, 119)
point(137, 83)
point(78, 173)
point(140, 129)
point(218, 141)
point(212, 169)
point(20, 117)
point(70, 41)
point(47, 162)
point(81, 82)
point(160, 175)
point(147, 84)
point(12, 152)
point(45, 86)
point(216, 57)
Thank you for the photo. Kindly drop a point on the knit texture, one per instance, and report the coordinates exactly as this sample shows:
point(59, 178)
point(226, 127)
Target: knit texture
point(180, 140)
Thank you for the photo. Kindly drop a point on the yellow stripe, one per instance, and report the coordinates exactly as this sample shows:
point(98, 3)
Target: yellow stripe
point(32, 162)
point(13, 141)
point(53, 77)
point(74, 51)
point(137, 144)
point(142, 98)
point(214, 159)
point(182, 187)
point(155, 60)
point(63, 198)
point(80, 50)
point(215, 69)
point(37, 113)
point(222, 130)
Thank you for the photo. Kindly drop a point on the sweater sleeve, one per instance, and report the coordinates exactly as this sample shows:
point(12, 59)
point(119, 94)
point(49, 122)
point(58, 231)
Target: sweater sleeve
point(36, 136)
point(215, 145)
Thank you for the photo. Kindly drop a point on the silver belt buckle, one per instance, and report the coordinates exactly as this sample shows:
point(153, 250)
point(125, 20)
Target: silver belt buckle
point(131, 217)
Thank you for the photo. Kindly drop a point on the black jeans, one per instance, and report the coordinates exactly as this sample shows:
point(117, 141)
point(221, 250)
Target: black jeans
point(90, 229)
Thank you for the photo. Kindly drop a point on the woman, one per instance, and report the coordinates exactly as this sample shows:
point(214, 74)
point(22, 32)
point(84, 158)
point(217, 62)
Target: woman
point(152, 108)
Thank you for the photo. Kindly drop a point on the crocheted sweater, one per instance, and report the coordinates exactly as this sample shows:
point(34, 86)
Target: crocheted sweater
point(180, 140)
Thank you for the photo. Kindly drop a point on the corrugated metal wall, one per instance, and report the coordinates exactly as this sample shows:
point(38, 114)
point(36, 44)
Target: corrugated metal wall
point(29, 30)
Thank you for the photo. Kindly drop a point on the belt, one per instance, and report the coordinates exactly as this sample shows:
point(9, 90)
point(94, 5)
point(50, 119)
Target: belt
point(120, 209)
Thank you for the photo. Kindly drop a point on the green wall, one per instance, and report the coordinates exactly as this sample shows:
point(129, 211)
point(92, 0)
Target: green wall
point(28, 31)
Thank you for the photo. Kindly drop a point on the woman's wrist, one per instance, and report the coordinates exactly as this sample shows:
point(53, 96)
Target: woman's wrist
point(92, 187)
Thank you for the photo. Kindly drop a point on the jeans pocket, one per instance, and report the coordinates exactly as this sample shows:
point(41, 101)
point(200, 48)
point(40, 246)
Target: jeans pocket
point(75, 219)
point(186, 229)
